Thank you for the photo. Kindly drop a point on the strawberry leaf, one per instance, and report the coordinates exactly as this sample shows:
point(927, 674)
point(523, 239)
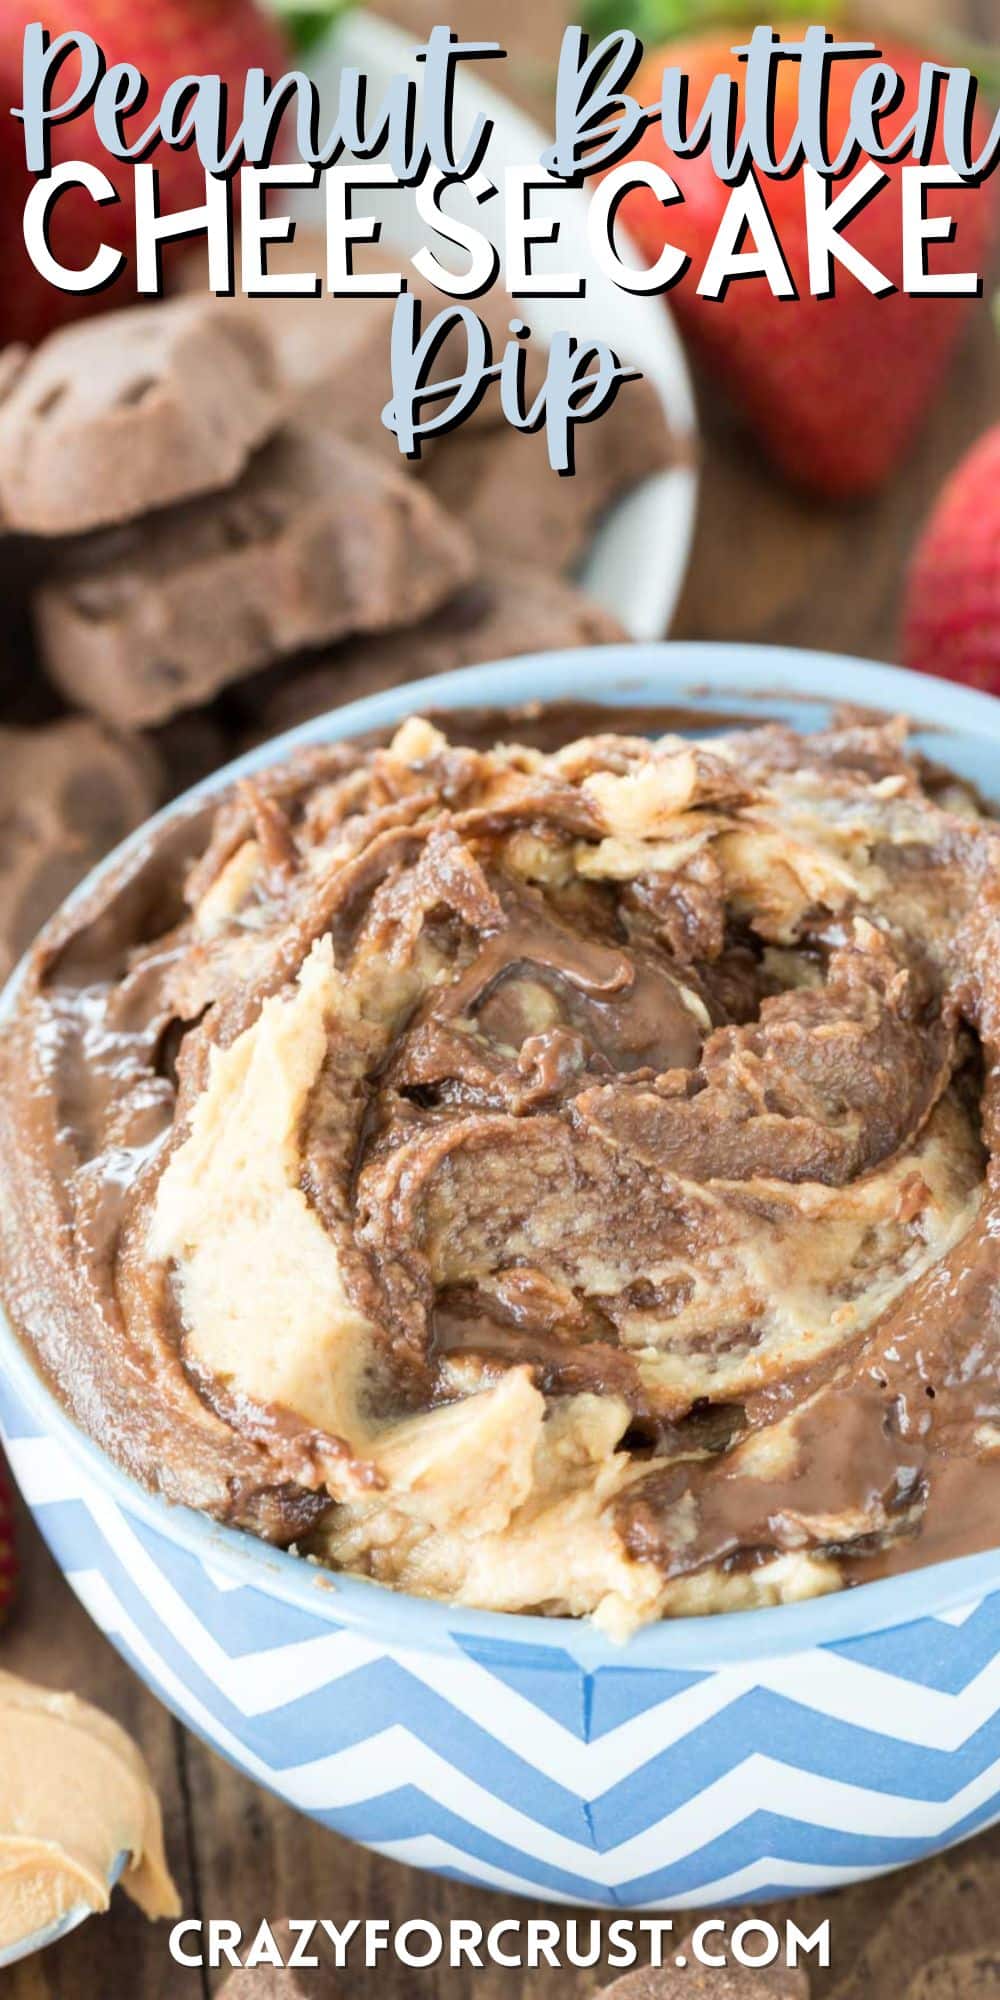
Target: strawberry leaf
point(307, 21)
point(656, 21)
point(659, 21)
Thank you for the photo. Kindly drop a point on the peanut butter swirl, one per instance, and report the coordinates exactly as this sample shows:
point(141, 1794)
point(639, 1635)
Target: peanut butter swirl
point(548, 1178)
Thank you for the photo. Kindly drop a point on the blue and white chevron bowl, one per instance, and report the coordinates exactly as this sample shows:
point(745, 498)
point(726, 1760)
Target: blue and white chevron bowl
point(707, 1761)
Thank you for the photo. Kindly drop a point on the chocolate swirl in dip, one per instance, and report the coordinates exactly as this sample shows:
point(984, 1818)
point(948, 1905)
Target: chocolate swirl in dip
point(553, 1180)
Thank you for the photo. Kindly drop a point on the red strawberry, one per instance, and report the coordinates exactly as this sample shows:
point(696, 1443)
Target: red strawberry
point(834, 388)
point(951, 622)
point(170, 39)
point(8, 1562)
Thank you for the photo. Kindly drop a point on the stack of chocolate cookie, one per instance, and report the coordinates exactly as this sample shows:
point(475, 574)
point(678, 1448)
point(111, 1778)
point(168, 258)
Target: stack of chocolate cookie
point(210, 535)
point(197, 529)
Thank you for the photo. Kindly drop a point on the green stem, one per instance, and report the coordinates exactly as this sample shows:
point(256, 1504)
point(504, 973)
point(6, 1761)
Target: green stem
point(307, 21)
point(657, 21)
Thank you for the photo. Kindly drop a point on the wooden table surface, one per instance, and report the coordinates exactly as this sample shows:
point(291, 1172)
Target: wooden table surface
point(766, 566)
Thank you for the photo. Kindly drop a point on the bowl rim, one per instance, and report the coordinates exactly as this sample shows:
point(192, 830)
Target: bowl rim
point(705, 674)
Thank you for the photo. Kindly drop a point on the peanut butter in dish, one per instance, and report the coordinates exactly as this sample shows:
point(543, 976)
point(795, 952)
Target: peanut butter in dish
point(75, 1795)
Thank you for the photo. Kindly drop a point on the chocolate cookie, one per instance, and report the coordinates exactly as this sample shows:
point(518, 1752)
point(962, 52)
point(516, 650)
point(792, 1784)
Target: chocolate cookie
point(967, 1975)
point(333, 353)
point(886, 1935)
point(191, 746)
point(499, 480)
point(70, 792)
point(318, 539)
point(272, 1982)
point(511, 608)
point(135, 410)
point(706, 1982)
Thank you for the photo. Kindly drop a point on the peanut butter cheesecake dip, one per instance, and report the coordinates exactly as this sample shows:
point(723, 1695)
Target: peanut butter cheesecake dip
point(539, 1170)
